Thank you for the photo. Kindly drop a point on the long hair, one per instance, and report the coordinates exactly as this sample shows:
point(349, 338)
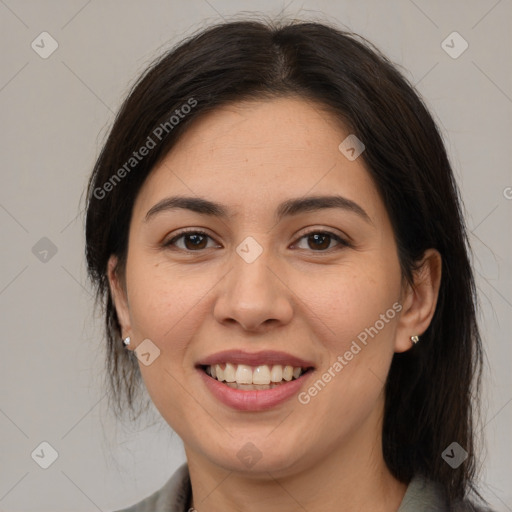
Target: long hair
point(430, 389)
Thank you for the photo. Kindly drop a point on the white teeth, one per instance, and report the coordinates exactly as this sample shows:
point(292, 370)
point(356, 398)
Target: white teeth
point(261, 375)
point(229, 373)
point(276, 375)
point(288, 373)
point(219, 373)
point(243, 376)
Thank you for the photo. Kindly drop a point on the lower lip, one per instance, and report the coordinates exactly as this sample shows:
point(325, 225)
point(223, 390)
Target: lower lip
point(253, 400)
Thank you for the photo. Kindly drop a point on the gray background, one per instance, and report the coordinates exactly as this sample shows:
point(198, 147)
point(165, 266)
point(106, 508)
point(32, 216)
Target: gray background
point(55, 114)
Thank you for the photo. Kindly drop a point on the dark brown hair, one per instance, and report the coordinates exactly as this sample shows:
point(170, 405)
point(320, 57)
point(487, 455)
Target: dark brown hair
point(430, 389)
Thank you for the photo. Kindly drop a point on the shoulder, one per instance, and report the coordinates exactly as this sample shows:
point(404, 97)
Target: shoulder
point(424, 495)
point(174, 496)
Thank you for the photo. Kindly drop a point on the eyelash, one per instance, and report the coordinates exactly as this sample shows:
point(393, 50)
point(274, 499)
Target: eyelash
point(181, 234)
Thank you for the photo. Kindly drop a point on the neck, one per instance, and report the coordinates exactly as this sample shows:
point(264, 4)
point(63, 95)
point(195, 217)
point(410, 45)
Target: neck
point(351, 477)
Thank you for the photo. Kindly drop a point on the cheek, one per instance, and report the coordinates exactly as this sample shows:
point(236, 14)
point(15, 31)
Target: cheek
point(165, 307)
point(353, 317)
point(165, 302)
point(353, 300)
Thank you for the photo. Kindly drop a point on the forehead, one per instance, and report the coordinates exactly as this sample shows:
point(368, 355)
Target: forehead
point(251, 154)
point(280, 126)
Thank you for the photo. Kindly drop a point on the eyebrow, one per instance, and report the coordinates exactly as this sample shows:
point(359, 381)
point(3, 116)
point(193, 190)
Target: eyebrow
point(288, 208)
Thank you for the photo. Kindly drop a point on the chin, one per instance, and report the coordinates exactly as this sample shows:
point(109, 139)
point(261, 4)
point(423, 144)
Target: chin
point(257, 455)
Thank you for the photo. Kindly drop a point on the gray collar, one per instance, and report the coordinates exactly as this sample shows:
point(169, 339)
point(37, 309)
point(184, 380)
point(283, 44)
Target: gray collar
point(422, 495)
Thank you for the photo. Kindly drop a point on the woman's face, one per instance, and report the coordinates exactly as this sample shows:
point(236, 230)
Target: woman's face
point(277, 280)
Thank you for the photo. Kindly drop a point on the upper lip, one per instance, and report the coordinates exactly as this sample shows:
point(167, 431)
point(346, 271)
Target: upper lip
point(271, 357)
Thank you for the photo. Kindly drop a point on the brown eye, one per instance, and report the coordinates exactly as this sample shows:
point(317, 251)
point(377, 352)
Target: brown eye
point(197, 241)
point(192, 241)
point(320, 241)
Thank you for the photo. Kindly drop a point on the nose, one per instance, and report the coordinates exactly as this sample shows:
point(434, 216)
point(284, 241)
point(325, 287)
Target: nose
point(254, 296)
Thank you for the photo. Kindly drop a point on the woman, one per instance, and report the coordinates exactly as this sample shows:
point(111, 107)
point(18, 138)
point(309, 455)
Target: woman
point(275, 231)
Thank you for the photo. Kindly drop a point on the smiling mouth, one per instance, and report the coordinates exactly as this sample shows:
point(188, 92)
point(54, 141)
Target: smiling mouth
point(245, 377)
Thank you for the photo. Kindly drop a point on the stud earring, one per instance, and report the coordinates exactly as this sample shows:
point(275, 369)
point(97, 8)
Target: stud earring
point(126, 341)
point(415, 339)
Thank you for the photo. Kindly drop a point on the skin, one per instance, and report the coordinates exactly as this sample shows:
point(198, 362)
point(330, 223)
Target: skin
point(295, 297)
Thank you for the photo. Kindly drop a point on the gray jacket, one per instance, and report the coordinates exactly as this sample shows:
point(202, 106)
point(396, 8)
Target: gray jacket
point(421, 496)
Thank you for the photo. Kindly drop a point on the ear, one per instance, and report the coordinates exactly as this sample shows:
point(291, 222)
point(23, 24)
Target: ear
point(118, 292)
point(419, 300)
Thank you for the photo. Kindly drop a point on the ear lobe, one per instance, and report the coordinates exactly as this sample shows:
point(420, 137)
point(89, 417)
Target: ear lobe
point(420, 300)
point(119, 298)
